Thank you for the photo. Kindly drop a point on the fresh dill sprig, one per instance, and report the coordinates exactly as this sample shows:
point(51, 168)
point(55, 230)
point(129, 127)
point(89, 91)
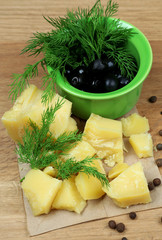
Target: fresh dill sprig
point(128, 67)
point(40, 149)
point(71, 167)
point(20, 81)
point(35, 44)
point(77, 38)
point(48, 83)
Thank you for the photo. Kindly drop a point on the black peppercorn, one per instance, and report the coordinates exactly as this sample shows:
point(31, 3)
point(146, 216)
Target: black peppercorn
point(156, 182)
point(120, 227)
point(132, 215)
point(150, 186)
point(152, 99)
point(159, 162)
point(159, 146)
point(160, 132)
point(112, 224)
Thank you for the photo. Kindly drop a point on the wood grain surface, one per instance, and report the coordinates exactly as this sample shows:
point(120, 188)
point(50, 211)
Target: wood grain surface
point(18, 20)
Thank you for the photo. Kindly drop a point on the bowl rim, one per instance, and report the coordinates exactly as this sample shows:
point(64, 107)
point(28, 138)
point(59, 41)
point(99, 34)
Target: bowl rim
point(139, 78)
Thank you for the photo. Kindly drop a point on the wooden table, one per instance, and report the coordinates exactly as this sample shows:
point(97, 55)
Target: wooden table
point(18, 20)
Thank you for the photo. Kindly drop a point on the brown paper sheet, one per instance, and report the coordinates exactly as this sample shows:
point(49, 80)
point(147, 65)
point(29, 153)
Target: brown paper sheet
point(95, 209)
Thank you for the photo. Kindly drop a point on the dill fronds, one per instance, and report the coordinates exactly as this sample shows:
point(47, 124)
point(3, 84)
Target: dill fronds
point(20, 81)
point(39, 147)
point(78, 38)
point(72, 167)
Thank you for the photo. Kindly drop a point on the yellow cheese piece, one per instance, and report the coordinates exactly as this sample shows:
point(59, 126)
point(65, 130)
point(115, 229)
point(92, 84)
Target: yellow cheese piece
point(82, 150)
point(71, 126)
point(68, 197)
point(25, 99)
point(134, 124)
point(15, 119)
point(105, 135)
point(102, 128)
point(40, 190)
point(117, 169)
point(51, 171)
point(29, 105)
point(130, 187)
point(142, 144)
point(90, 187)
point(61, 121)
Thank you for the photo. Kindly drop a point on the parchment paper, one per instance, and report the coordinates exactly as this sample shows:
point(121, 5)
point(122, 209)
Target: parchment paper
point(95, 209)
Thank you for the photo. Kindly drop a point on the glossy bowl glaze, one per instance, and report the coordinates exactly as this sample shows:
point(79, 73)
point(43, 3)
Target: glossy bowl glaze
point(117, 103)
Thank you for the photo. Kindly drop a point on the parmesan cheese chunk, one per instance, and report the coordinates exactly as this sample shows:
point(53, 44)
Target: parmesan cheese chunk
point(142, 144)
point(89, 186)
point(117, 170)
point(82, 150)
point(130, 187)
point(40, 190)
point(105, 135)
point(134, 124)
point(68, 197)
point(29, 106)
point(51, 171)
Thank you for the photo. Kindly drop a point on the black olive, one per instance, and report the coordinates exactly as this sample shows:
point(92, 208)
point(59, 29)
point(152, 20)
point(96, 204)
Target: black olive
point(79, 70)
point(110, 83)
point(96, 86)
point(110, 64)
point(97, 65)
point(123, 82)
point(117, 73)
point(68, 71)
point(77, 82)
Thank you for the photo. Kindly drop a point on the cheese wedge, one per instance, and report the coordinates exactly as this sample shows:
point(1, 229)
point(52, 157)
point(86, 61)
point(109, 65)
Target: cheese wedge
point(142, 144)
point(68, 197)
point(117, 170)
point(62, 117)
point(71, 126)
point(134, 124)
point(51, 171)
point(40, 190)
point(29, 106)
point(130, 187)
point(15, 119)
point(90, 187)
point(82, 150)
point(105, 135)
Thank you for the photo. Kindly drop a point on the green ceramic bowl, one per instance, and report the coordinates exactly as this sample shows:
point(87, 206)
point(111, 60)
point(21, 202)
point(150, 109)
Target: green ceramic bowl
point(117, 103)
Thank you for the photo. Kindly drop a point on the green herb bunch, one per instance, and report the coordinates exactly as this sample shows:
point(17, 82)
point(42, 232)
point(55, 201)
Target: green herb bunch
point(78, 38)
point(40, 149)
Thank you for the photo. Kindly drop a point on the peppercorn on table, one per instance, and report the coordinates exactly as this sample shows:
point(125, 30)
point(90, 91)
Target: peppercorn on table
point(18, 21)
